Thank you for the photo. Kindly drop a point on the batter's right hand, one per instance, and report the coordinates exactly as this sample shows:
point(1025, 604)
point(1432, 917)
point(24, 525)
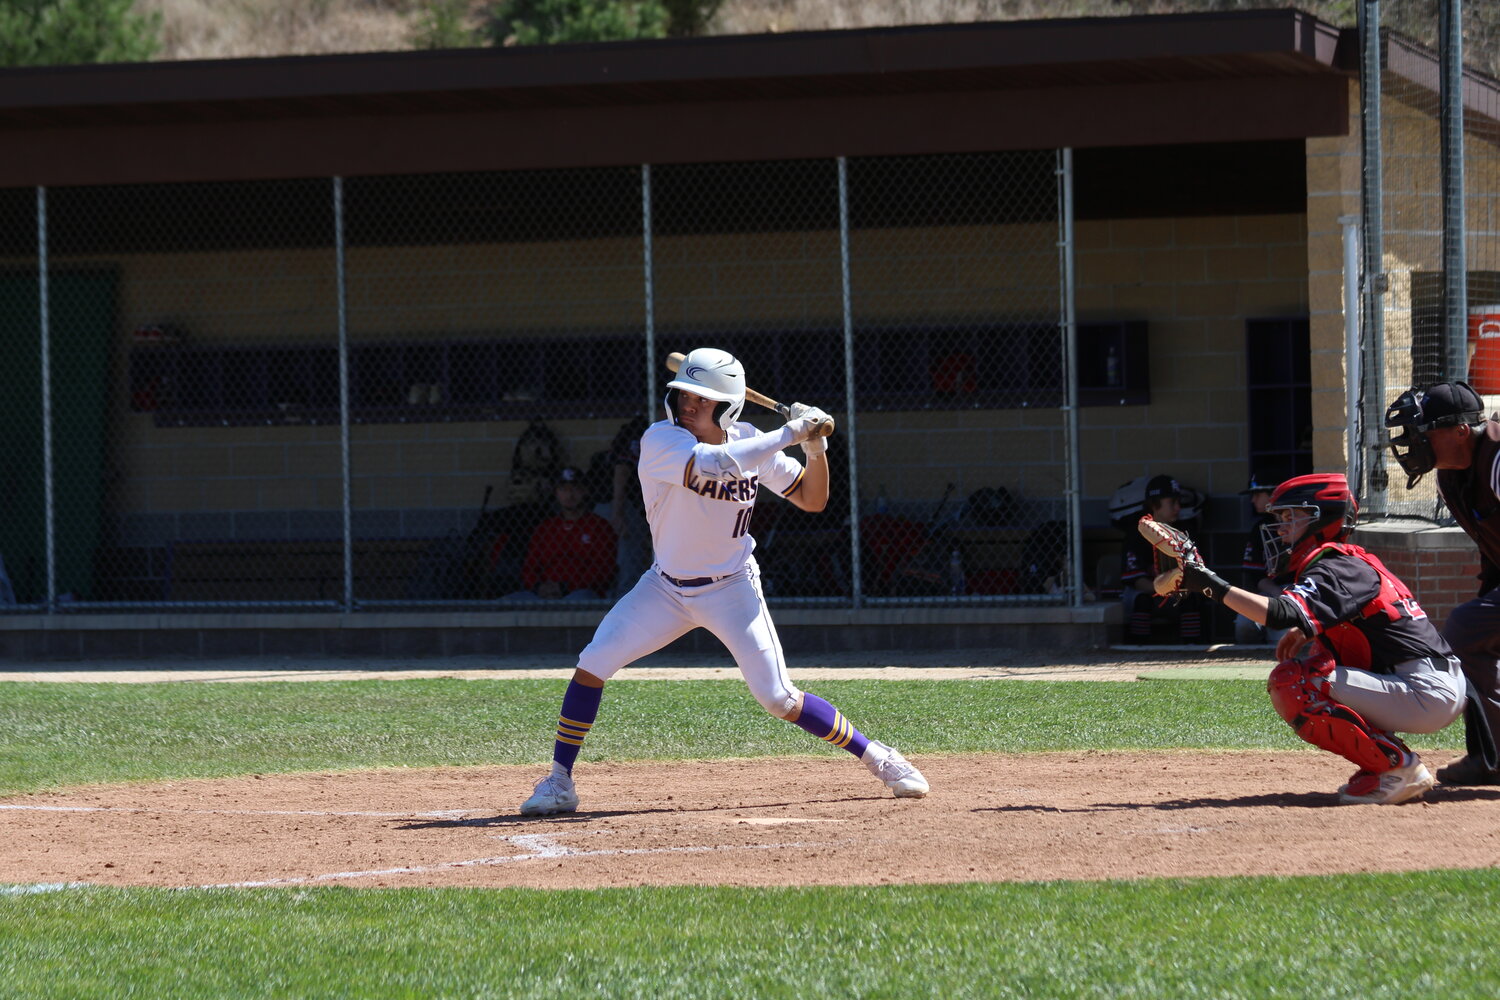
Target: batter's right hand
point(804, 420)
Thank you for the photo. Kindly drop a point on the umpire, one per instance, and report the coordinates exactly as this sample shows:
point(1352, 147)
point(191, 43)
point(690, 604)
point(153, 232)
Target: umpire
point(1443, 427)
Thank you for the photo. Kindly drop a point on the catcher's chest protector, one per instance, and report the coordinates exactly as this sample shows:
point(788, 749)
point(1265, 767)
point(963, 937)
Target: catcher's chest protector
point(1393, 601)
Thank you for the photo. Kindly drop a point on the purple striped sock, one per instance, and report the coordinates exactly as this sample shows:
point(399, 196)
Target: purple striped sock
point(579, 709)
point(828, 723)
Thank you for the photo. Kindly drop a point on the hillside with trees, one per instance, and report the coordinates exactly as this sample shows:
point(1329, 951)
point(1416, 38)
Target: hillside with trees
point(75, 31)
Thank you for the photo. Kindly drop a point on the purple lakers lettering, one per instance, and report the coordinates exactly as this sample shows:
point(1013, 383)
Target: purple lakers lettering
point(734, 490)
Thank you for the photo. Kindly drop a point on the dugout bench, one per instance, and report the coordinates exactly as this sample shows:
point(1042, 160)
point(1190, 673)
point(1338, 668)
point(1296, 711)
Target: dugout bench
point(290, 571)
point(899, 559)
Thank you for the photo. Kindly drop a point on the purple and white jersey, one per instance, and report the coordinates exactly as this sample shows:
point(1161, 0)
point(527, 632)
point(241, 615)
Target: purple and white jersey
point(700, 526)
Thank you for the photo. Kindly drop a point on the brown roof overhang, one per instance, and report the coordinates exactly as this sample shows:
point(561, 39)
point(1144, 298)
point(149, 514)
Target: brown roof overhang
point(1221, 77)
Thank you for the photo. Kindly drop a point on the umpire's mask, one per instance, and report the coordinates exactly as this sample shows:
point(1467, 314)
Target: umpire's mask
point(1417, 411)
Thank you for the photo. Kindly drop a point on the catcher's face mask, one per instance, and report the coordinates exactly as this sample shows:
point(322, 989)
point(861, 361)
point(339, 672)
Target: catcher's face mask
point(1278, 538)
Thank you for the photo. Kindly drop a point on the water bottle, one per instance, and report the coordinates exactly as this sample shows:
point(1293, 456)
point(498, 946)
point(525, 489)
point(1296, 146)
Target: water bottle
point(956, 582)
point(882, 505)
point(1112, 367)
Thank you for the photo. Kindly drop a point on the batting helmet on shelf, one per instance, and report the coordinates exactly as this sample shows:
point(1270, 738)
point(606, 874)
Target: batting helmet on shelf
point(1417, 411)
point(712, 374)
point(1326, 512)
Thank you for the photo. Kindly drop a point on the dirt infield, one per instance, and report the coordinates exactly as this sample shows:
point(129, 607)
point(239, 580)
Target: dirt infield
point(818, 821)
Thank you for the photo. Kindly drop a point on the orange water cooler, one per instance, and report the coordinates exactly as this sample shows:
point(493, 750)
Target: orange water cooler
point(1484, 349)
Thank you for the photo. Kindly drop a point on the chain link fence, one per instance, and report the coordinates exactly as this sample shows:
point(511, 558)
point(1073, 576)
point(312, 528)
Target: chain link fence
point(496, 327)
point(954, 278)
point(1418, 331)
point(393, 391)
point(193, 404)
point(24, 531)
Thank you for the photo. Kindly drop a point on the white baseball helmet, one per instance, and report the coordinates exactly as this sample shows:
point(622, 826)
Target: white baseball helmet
point(712, 374)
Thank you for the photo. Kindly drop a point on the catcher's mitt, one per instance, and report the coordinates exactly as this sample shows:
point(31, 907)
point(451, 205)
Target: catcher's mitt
point(1172, 542)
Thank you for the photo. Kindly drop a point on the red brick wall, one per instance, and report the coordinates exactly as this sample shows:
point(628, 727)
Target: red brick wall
point(1438, 564)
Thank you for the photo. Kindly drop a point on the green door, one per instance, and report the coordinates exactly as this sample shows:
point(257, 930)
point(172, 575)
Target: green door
point(82, 322)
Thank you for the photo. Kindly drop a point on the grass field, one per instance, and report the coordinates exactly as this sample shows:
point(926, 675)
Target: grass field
point(1424, 934)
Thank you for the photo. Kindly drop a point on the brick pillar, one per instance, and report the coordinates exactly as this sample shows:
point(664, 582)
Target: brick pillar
point(1440, 565)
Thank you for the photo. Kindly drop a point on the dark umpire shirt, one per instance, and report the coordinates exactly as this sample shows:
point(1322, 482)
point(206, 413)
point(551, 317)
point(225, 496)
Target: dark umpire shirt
point(1473, 496)
point(1336, 588)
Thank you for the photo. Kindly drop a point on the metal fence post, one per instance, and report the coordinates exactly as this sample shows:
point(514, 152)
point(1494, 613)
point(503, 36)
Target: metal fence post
point(1455, 258)
point(855, 570)
point(650, 302)
point(1374, 277)
point(1073, 461)
point(346, 486)
point(45, 331)
point(1352, 365)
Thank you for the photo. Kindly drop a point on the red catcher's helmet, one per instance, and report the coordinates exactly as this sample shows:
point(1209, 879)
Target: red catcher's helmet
point(1330, 509)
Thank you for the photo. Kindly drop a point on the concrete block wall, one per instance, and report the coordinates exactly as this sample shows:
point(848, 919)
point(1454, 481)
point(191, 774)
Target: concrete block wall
point(1194, 281)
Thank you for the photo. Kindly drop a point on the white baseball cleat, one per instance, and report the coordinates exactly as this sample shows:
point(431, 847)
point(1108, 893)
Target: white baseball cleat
point(1387, 788)
point(553, 794)
point(898, 773)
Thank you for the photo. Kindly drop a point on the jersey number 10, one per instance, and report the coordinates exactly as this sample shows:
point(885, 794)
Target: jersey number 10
point(742, 522)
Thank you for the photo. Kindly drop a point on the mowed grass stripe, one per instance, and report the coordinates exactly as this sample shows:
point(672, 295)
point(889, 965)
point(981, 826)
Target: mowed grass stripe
point(1422, 934)
point(58, 735)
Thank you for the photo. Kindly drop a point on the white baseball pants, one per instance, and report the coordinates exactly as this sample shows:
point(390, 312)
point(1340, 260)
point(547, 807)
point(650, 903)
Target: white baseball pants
point(655, 612)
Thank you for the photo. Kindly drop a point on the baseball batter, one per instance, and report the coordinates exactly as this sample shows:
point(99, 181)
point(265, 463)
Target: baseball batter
point(700, 470)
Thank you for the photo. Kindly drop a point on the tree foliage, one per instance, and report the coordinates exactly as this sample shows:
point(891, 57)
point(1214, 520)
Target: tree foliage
point(444, 24)
point(547, 22)
point(686, 18)
point(69, 32)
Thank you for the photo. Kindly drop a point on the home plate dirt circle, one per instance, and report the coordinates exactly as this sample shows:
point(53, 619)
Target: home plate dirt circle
point(793, 822)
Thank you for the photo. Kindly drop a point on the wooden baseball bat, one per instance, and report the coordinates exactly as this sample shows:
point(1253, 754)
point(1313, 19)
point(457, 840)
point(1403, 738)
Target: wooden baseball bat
point(674, 362)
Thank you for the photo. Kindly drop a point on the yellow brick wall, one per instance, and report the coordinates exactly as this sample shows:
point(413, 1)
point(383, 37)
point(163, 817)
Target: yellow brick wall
point(1194, 281)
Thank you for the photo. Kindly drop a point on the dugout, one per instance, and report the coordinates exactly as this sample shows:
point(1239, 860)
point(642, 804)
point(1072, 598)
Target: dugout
point(489, 217)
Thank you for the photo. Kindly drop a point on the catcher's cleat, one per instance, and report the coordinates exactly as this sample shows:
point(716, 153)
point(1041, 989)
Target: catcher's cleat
point(1399, 784)
point(553, 794)
point(1467, 771)
point(898, 773)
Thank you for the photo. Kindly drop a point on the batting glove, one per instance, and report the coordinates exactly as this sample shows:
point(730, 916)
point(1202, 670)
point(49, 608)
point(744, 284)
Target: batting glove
point(809, 417)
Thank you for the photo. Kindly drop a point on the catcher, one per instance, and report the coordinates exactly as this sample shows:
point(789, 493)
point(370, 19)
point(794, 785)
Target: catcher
point(1359, 660)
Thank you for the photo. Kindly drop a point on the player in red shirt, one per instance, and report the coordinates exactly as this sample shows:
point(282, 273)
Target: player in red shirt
point(572, 554)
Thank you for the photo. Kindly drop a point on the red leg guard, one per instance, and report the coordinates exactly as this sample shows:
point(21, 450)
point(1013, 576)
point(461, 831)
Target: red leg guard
point(1299, 693)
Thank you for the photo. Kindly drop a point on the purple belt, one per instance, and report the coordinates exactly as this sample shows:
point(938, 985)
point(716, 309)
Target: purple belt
point(697, 581)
